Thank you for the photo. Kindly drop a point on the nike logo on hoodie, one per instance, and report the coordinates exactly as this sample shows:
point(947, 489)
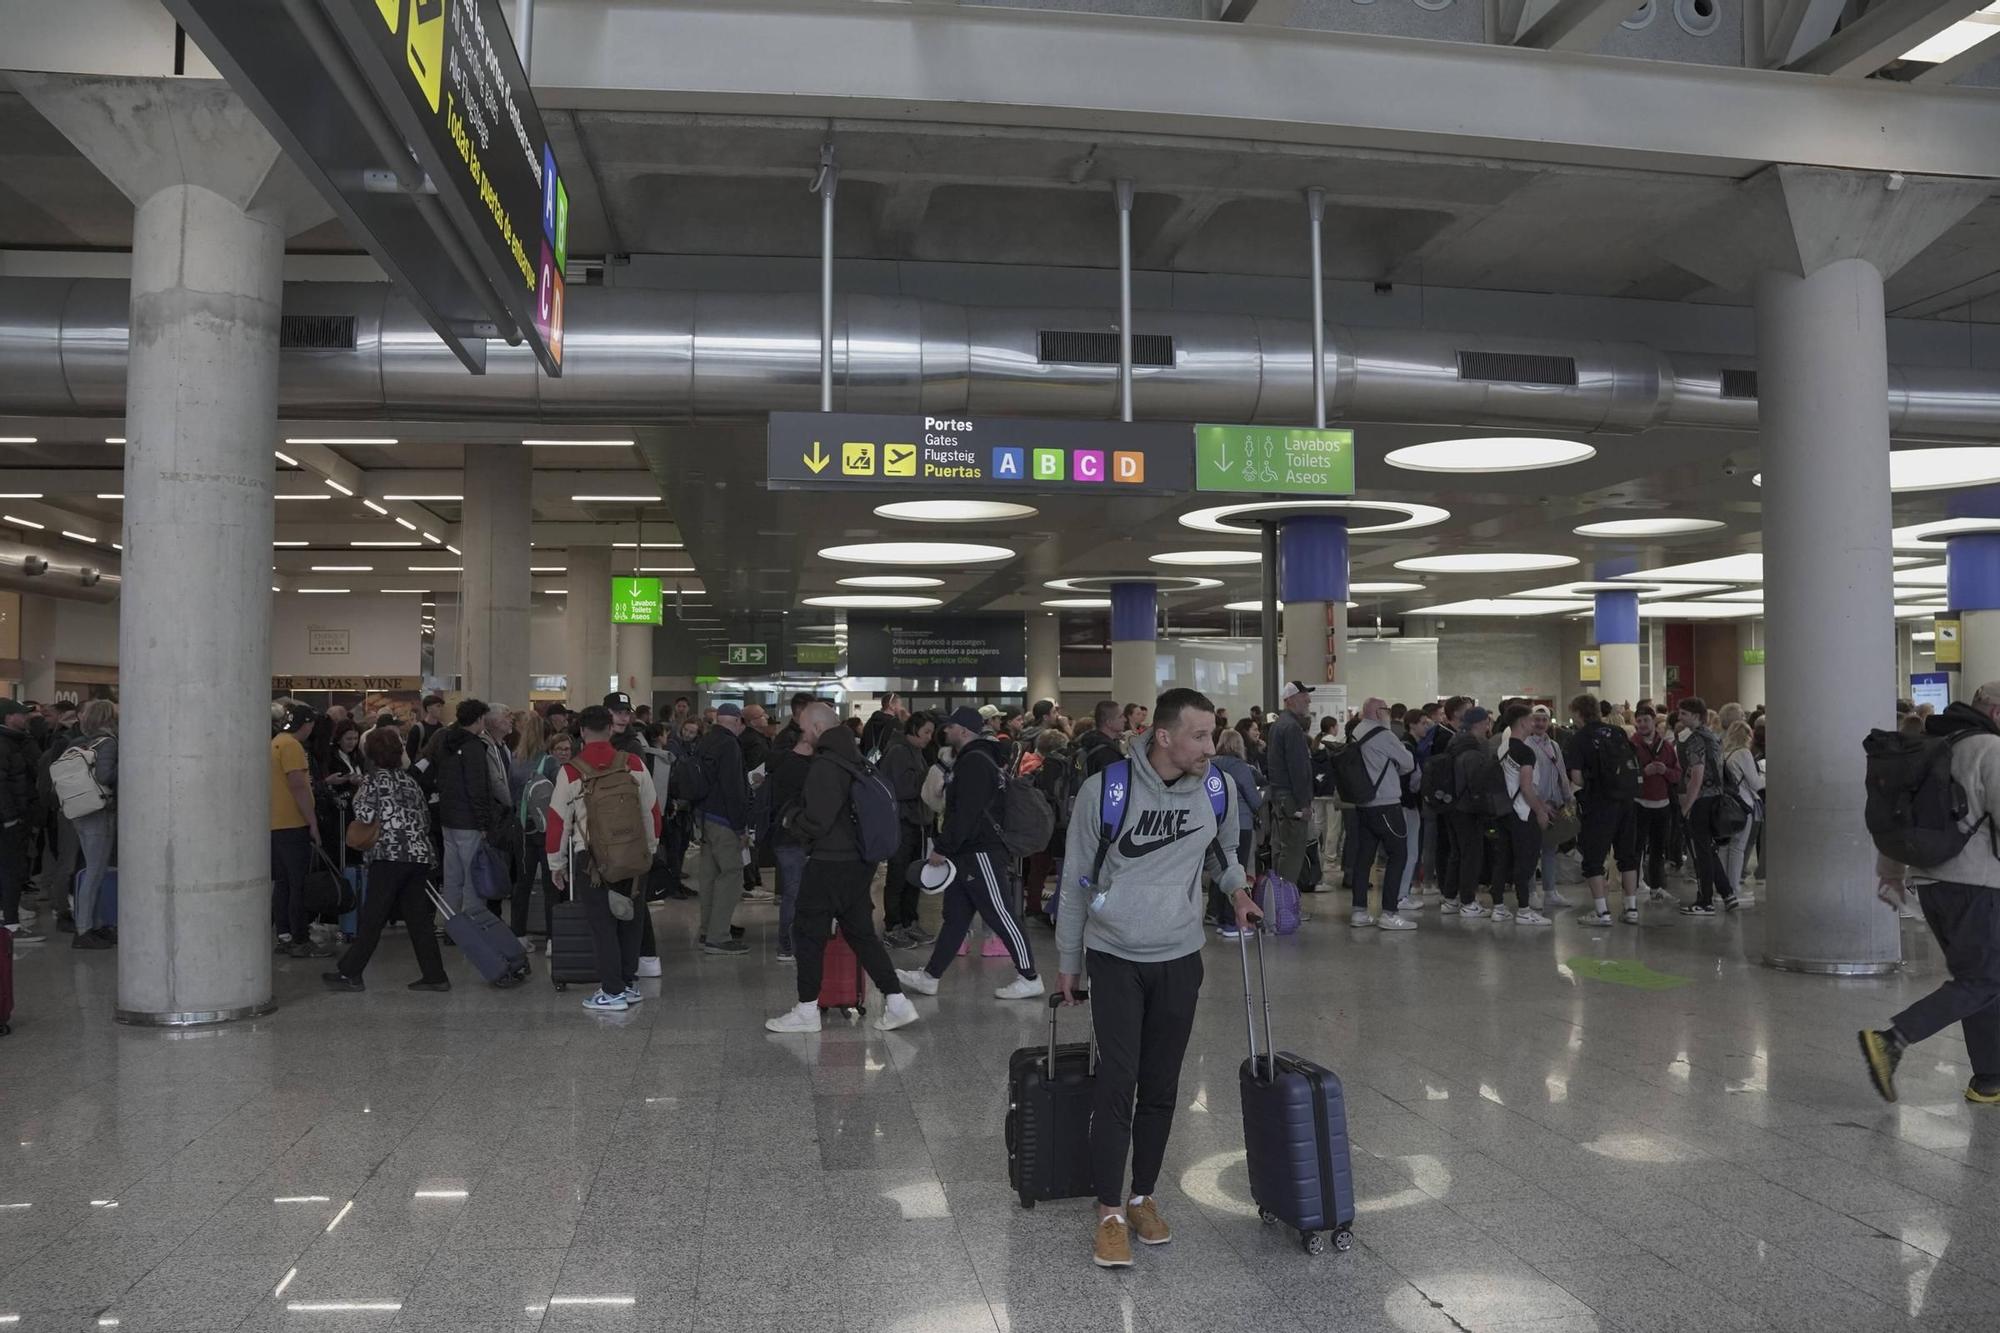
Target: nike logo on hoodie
point(1153, 829)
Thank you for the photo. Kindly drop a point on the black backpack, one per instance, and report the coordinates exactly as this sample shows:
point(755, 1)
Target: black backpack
point(1482, 789)
point(1614, 764)
point(1351, 778)
point(1915, 806)
point(688, 780)
point(1439, 784)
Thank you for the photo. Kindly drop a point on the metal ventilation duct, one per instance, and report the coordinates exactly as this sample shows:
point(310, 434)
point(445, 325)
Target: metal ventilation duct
point(633, 354)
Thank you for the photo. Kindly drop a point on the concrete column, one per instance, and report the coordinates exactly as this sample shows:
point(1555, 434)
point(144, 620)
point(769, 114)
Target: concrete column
point(1312, 584)
point(635, 660)
point(587, 624)
point(1135, 619)
point(1750, 675)
point(1044, 656)
point(1615, 622)
point(498, 588)
point(38, 647)
point(215, 200)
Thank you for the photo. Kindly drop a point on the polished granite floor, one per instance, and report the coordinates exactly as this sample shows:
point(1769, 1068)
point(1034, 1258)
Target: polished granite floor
point(1540, 1146)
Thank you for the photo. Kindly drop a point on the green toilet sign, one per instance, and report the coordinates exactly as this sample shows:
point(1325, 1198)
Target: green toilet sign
point(635, 601)
point(1274, 460)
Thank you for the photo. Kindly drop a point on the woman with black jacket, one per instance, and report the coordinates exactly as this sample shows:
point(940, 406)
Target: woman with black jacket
point(904, 766)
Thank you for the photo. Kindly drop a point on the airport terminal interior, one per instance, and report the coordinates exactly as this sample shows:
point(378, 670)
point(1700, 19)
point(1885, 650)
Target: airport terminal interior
point(1051, 394)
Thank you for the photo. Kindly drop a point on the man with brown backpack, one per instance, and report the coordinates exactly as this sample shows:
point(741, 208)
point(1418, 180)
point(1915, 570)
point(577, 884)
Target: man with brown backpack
point(605, 818)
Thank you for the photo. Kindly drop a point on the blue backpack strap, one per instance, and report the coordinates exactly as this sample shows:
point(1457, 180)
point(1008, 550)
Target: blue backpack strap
point(1216, 784)
point(1111, 801)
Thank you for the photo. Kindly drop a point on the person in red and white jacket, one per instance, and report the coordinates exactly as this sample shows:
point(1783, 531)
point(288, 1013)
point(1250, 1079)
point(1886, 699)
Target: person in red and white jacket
point(615, 928)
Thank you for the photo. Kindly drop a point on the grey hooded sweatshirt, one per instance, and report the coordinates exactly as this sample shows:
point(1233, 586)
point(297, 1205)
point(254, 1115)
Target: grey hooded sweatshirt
point(1146, 904)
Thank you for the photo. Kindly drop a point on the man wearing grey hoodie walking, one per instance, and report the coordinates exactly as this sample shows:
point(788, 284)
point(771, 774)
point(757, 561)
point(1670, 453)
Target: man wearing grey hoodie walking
point(1131, 914)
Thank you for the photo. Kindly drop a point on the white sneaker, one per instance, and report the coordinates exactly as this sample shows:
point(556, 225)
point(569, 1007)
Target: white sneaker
point(606, 1004)
point(1553, 901)
point(1471, 909)
point(1590, 916)
point(1655, 894)
point(897, 1013)
point(1021, 988)
point(1502, 912)
point(1409, 904)
point(918, 980)
point(1449, 907)
point(1528, 916)
point(632, 996)
point(649, 965)
point(1631, 916)
point(1395, 921)
point(801, 1017)
point(1359, 918)
point(1535, 898)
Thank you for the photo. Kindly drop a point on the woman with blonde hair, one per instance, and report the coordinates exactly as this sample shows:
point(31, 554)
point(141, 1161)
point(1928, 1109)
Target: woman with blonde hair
point(1743, 778)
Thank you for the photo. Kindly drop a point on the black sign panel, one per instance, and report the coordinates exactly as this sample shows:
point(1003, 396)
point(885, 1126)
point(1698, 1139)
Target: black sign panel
point(985, 456)
point(449, 76)
point(937, 645)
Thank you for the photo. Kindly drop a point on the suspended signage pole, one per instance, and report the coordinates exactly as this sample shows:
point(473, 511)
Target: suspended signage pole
point(1124, 190)
point(1315, 212)
point(827, 181)
point(1268, 532)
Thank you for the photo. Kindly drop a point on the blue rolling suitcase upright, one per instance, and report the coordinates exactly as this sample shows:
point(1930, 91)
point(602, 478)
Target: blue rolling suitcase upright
point(485, 941)
point(1294, 1134)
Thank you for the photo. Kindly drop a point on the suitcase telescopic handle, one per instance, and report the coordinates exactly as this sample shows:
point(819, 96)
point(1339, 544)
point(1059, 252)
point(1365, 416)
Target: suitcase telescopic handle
point(1055, 1007)
point(1249, 1014)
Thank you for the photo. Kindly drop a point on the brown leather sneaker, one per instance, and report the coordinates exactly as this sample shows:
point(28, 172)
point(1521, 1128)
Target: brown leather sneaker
point(1114, 1243)
point(1147, 1224)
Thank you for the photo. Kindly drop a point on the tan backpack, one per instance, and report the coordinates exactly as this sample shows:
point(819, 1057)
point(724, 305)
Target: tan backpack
point(614, 822)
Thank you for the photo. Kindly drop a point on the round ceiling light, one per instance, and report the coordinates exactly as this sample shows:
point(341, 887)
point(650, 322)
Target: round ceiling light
point(1078, 603)
point(955, 511)
point(1485, 562)
point(1253, 606)
point(890, 581)
point(1648, 527)
point(1941, 469)
point(879, 601)
point(1385, 587)
point(1498, 453)
point(1106, 582)
point(1216, 557)
point(1242, 518)
point(916, 553)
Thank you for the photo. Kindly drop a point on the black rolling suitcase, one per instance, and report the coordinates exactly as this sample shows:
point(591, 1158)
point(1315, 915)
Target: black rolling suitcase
point(1294, 1134)
point(1049, 1091)
point(572, 952)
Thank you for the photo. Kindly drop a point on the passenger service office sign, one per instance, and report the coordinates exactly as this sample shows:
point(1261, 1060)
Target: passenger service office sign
point(472, 120)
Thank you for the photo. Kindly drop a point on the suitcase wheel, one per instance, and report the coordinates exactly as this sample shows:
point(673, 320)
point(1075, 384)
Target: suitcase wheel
point(1267, 1217)
point(1027, 1201)
point(1343, 1239)
point(562, 985)
point(4, 1029)
point(1314, 1242)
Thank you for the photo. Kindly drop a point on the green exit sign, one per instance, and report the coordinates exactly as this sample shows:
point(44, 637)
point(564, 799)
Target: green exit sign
point(749, 654)
point(635, 601)
point(1274, 460)
point(818, 654)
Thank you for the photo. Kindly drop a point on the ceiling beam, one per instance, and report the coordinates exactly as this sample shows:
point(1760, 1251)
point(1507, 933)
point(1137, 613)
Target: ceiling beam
point(1880, 36)
point(1952, 70)
point(1093, 73)
point(1797, 26)
point(1164, 248)
point(1570, 25)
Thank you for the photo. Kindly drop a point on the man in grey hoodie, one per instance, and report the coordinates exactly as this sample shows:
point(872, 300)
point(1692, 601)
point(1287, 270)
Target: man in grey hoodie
point(1131, 912)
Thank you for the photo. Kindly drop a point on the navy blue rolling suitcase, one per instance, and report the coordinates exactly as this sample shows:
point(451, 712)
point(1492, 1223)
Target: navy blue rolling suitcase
point(1049, 1094)
point(1294, 1134)
point(485, 941)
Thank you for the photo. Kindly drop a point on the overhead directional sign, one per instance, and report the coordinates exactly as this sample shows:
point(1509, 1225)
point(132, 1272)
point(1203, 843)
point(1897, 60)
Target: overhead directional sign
point(936, 455)
point(636, 601)
point(749, 654)
point(1274, 460)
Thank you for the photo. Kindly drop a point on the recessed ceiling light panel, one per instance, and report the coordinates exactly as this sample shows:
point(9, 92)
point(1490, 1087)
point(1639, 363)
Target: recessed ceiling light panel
point(1237, 519)
point(1485, 562)
point(890, 581)
point(876, 601)
point(955, 511)
point(1648, 527)
point(1078, 603)
point(1384, 587)
point(1499, 453)
point(1166, 583)
point(1500, 606)
point(916, 553)
point(1215, 557)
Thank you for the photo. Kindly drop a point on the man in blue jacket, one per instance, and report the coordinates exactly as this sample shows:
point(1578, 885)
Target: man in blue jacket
point(971, 841)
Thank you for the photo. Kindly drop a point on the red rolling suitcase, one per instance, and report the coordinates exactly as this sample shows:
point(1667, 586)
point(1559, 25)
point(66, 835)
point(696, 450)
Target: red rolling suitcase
point(841, 985)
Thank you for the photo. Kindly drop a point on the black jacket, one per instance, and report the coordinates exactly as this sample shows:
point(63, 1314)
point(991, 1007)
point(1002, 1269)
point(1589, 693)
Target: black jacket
point(904, 767)
point(1099, 752)
point(466, 799)
point(785, 779)
point(880, 732)
point(972, 811)
point(19, 759)
point(721, 757)
point(825, 824)
point(757, 748)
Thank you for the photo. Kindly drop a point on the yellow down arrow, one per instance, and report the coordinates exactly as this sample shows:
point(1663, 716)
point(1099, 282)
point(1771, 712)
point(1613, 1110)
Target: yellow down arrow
point(817, 459)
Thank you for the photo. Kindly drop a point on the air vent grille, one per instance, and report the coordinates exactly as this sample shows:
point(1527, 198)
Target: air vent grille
point(1092, 347)
point(1517, 368)
point(319, 332)
point(1739, 384)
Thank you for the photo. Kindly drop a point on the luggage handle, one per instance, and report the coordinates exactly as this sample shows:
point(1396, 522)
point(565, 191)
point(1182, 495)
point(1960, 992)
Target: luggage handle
point(444, 909)
point(1056, 1007)
point(1249, 1016)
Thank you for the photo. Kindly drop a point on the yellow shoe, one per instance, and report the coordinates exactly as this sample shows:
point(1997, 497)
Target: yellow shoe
point(1114, 1243)
point(1147, 1224)
point(1882, 1054)
point(1988, 1096)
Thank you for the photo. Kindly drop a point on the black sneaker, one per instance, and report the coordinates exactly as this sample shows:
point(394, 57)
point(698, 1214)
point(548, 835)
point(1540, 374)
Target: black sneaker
point(1731, 903)
point(341, 981)
point(66, 923)
point(738, 932)
point(438, 986)
point(311, 951)
point(727, 948)
point(89, 939)
point(1697, 909)
point(1883, 1050)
